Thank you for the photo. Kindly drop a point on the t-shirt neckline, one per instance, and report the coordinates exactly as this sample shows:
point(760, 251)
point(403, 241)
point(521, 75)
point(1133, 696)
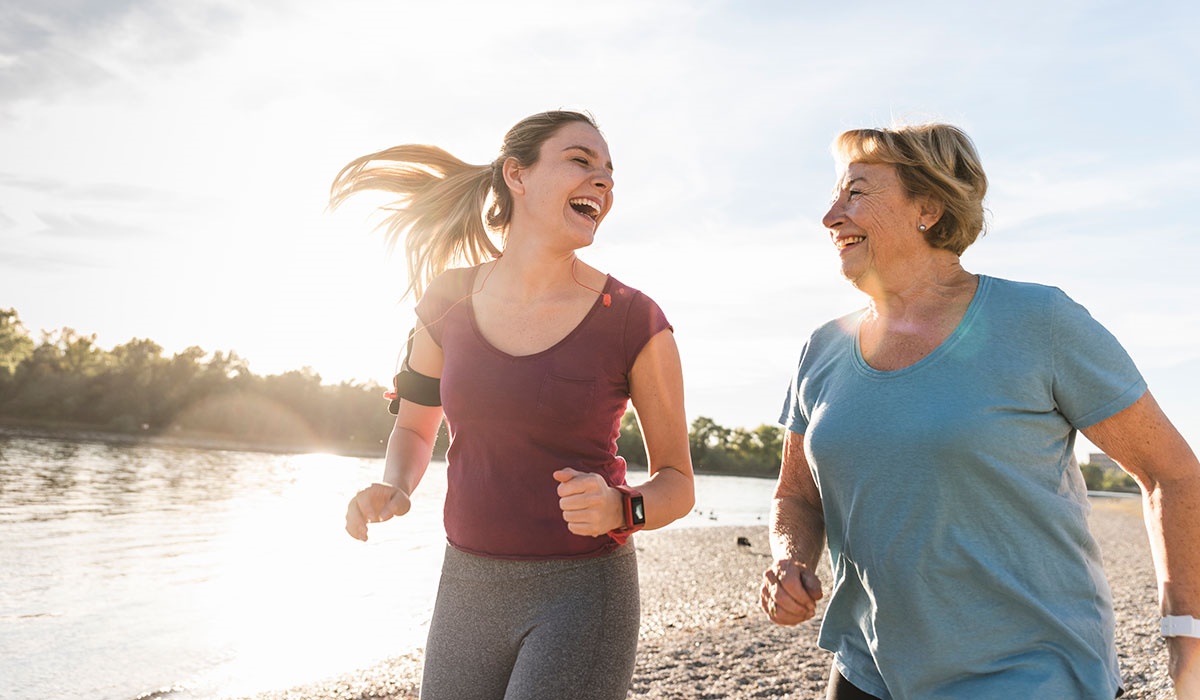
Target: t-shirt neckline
point(946, 345)
point(470, 309)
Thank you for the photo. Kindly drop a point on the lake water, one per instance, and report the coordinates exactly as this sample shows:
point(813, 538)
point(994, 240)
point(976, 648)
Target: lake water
point(126, 570)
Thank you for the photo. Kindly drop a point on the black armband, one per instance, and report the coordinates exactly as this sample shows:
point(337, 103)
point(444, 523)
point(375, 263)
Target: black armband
point(416, 387)
point(413, 386)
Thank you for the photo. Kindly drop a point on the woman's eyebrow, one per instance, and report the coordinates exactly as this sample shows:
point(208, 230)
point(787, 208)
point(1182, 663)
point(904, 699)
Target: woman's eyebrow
point(590, 153)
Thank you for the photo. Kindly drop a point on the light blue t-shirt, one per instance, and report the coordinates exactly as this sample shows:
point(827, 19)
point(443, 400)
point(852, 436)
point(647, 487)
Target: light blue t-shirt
point(955, 511)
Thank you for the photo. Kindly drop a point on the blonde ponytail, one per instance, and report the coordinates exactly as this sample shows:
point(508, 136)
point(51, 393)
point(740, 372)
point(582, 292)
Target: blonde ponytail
point(439, 210)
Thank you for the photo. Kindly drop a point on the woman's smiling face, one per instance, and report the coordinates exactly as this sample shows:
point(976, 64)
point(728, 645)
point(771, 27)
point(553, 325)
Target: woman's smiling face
point(569, 188)
point(873, 223)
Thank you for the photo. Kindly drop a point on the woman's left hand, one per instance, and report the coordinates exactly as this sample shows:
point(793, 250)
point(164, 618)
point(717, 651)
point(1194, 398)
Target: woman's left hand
point(589, 505)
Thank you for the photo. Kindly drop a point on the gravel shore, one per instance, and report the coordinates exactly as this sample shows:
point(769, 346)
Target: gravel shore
point(703, 635)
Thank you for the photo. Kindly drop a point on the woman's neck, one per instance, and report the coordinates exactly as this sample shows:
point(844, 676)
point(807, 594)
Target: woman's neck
point(528, 274)
point(907, 321)
point(914, 293)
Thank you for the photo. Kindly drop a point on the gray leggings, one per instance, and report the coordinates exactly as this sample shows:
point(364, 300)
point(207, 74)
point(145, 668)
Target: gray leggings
point(526, 630)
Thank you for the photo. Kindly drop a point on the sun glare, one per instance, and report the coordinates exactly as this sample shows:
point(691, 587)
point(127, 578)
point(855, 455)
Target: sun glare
point(297, 599)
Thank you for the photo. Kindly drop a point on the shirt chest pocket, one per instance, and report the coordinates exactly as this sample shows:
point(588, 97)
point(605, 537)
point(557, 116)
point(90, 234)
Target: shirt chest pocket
point(566, 400)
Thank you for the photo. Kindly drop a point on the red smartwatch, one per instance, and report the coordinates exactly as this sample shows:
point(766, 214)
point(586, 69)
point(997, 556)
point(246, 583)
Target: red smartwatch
point(635, 514)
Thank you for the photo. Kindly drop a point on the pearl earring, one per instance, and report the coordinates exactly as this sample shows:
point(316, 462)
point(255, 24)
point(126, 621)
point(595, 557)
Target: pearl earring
point(921, 227)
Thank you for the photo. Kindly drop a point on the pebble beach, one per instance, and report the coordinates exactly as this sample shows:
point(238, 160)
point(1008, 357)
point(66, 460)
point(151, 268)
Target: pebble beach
point(703, 635)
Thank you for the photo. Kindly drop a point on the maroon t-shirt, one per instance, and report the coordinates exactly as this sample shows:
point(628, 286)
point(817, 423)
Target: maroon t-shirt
point(514, 421)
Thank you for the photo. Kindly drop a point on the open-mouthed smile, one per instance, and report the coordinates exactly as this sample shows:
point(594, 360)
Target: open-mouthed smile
point(586, 207)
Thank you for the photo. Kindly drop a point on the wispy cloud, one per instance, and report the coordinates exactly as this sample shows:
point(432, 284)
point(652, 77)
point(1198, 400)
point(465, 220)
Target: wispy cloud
point(85, 191)
point(1068, 187)
point(26, 262)
point(56, 46)
point(83, 226)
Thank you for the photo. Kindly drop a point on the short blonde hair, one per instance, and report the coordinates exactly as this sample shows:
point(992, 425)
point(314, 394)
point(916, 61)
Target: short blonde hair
point(938, 161)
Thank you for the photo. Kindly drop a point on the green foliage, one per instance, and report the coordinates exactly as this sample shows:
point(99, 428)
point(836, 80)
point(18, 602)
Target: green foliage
point(716, 449)
point(15, 343)
point(630, 444)
point(1104, 478)
point(67, 380)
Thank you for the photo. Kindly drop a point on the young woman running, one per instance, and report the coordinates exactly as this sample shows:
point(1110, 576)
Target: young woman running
point(532, 357)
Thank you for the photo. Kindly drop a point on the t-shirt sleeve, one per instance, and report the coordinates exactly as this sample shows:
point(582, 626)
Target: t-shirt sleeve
point(1094, 377)
point(645, 320)
point(443, 293)
point(793, 417)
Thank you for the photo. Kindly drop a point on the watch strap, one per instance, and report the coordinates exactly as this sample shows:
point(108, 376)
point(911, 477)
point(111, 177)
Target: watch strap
point(621, 535)
point(1180, 626)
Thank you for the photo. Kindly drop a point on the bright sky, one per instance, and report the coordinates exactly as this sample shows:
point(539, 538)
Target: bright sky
point(165, 164)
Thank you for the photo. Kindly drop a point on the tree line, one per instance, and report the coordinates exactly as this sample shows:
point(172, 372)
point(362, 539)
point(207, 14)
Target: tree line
point(65, 381)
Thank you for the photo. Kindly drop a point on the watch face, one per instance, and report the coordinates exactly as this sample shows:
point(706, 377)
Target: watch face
point(638, 509)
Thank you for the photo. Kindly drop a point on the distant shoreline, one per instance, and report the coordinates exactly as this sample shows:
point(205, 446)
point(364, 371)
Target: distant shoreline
point(61, 431)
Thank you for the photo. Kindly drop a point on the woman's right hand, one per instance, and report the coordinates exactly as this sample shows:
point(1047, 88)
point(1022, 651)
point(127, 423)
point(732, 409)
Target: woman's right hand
point(790, 592)
point(374, 504)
